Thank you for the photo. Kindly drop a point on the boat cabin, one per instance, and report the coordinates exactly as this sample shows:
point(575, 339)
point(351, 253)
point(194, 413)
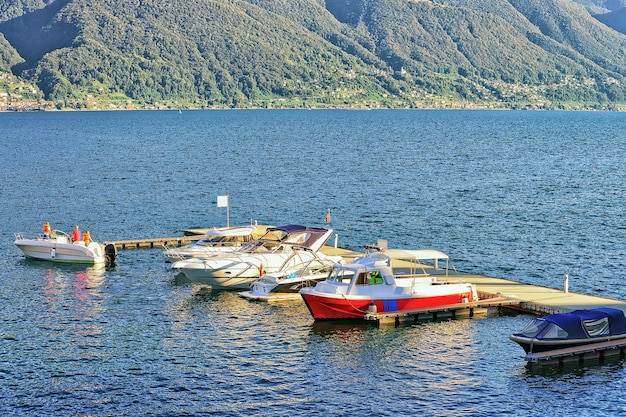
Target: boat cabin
point(374, 269)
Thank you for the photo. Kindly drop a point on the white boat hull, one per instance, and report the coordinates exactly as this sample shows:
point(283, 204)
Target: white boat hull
point(220, 280)
point(270, 287)
point(234, 275)
point(55, 251)
point(239, 272)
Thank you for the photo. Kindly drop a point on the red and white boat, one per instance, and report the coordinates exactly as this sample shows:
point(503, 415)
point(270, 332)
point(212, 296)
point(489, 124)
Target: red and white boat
point(352, 290)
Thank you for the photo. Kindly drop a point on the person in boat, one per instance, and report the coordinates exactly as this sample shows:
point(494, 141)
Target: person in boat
point(76, 234)
point(375, 278)
point(46, 230)
point(87, 238)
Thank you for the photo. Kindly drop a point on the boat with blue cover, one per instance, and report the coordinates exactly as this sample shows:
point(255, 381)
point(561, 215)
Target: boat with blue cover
point(572, 329)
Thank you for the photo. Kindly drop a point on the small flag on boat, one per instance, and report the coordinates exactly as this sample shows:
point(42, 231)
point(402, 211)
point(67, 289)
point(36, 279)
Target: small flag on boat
point(327, 219)
point(222, 200)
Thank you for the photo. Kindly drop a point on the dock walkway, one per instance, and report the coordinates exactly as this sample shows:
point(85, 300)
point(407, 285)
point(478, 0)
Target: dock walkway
point(526, 298)
point(579, 354)
point(537, 299)
point(154, 243)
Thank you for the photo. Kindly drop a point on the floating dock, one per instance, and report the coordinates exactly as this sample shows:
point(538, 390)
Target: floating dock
point(580, 354)
point(498, 293)
point(153, 243)
point(483, 307)
point(494, 293)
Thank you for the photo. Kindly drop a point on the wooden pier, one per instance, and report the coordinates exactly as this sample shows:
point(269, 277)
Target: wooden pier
point(473, 309)
point(498, 294)
point(580, 354)
point(494, 293)
point(153, 243)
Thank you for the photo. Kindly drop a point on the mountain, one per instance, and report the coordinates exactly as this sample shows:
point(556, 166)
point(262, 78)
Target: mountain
point(316, 53)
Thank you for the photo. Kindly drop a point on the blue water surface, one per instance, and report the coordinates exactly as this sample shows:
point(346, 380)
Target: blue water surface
point(527, 196)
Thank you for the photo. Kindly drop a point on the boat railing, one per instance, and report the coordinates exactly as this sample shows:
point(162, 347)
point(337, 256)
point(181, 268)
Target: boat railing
point(174, 255)
point(412, 275)
point(312, 266)
point(305, 262)
point(176, 252)
point(32, 236)
point(58, 236)
point(249, 265)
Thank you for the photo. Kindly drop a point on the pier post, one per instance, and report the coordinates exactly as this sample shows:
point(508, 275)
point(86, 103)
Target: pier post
point(566, 284)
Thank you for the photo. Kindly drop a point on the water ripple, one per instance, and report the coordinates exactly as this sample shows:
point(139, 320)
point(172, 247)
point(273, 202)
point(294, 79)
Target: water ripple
point(527, 196)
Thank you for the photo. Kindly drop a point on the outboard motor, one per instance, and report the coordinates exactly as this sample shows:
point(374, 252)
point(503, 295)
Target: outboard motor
point(110, 253)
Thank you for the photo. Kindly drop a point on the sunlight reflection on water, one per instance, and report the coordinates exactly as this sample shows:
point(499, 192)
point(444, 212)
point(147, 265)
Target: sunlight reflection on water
point(527, 196)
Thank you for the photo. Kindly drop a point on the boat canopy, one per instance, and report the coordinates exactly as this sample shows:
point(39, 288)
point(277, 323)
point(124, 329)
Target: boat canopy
point(293, 234)
point(416, 254)
point(416, 258)
point(578, 324)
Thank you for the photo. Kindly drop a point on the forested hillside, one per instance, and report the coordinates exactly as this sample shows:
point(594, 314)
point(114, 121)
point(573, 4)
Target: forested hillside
point(316, 53)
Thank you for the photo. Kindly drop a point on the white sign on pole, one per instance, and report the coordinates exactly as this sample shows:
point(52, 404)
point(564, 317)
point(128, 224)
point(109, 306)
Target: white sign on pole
point(222, 200)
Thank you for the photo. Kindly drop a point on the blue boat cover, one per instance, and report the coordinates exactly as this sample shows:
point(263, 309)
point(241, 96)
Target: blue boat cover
point(573, 322)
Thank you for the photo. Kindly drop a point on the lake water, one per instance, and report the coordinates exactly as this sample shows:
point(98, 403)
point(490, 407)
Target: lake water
point(527, 196)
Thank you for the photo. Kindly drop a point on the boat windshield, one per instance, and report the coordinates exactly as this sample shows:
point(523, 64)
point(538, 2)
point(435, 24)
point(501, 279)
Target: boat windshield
point(342, 276)
point(597, 328)
point(274, 234)
point(262, 246)
point(223, 240)
point(297, 238)
point(369, 278)
point(542, 329)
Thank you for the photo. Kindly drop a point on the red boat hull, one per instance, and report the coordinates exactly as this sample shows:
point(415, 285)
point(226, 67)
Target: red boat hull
point(329, 308)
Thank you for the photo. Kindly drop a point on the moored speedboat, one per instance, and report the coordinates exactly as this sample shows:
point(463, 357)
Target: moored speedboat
point(59, 247)
point(574, 328)
point(369, 283)
point(281, 250)
point(287, 286)
point(217, 240)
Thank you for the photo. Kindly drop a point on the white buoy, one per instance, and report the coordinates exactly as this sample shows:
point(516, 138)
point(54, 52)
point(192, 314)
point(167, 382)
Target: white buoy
point(371, 309)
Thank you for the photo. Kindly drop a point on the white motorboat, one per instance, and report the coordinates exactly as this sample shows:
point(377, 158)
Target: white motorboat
point(281, 250)
point(217, 240)
point(59, 247)
point(287, 285)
